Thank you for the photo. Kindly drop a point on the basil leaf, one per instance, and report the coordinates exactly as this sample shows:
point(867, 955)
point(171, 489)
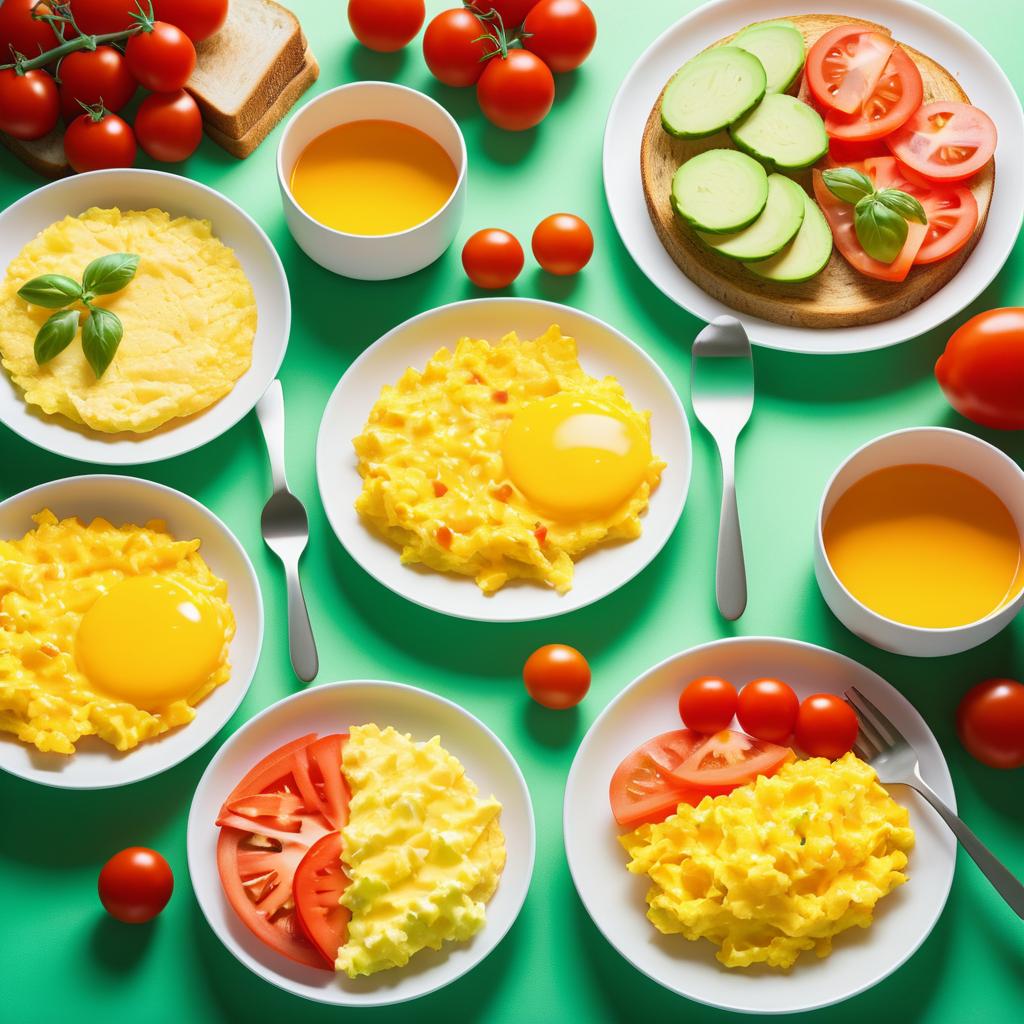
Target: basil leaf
point(903, 204)
point(100, 337)
point(880, 231)
point(109, 273)
point(56, 334)
point(848, 184)
point(51, 291)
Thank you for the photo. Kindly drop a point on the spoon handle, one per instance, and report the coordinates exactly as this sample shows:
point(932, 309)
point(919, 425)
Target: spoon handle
point(731, 574)
point(270, 413)
point(301, 646)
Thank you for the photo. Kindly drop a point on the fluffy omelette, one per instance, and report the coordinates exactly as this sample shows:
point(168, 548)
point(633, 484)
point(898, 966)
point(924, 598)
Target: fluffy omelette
point(778, 866)
point(505, 462)
point(110, 631)
point(189, 318)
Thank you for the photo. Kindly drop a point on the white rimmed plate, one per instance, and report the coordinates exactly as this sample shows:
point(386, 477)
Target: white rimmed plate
point(334, 707)
point(921, 28)
point(134, 189)
point(602, 350)
point(122, 499)
point(615, 899)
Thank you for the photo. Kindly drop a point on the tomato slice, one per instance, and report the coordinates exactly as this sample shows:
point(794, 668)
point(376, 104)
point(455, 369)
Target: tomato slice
point(945, 141)
point(844, 66)
point(889, 106)
point(730, 758)
point(843, 152)
point(320, 880)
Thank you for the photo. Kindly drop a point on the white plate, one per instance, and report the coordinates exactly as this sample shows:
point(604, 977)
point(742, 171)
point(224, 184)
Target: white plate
point(615, 899)
point(122, 499)
point(602, 350)
point(132, 189)
point(921, 28)
point(334, 707)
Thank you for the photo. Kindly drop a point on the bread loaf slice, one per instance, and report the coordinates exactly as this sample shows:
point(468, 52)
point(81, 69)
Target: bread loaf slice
point(45, 156)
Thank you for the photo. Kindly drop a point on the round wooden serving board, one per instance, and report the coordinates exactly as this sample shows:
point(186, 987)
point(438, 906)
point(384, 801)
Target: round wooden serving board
point(839, 296)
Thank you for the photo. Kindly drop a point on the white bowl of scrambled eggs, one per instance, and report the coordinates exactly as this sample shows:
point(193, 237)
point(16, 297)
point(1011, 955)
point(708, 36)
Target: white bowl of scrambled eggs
point(615, 897)
point(337, 707)
point(131, 623)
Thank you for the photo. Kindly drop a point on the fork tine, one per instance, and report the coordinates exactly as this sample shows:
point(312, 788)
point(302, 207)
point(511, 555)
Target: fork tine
point(867, 712)
point(863, 749)
point(866, 728)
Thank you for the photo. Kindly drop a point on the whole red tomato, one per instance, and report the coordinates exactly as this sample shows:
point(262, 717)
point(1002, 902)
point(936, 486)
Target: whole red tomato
point(454, 47)
point(96, 17)
point(982, 369)
point(990, 721)
point(99, 139)
point(492, 258)
point(562, 244)
point(386, 25)
point(516, 92)
point(135, 885)
point(557, 676)
point(169, 126)
point(29, 104)
point(513, 12)
point(198, 19)
point(94, 76)
point(21, 32)
point(161, 59)
point(561, 32)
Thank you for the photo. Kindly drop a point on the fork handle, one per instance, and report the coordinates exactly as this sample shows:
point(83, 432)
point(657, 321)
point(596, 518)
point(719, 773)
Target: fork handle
point(991, 867)
point(730, 572)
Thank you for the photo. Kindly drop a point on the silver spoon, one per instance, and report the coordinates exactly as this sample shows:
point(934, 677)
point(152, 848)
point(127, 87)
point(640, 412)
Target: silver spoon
point(286, 531)
point(722, 390)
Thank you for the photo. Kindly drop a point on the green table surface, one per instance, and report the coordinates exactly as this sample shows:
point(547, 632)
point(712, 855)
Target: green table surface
point(63, 959)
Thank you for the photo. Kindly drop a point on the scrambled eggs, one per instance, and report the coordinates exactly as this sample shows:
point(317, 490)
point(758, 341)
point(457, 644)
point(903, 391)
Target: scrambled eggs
point(189, 319)
point(506, 461)
point(105, 630)
point(778, 866)
point(423, 851)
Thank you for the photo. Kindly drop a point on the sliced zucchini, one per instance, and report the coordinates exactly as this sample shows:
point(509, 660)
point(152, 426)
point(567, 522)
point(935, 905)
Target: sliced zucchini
point(772, 231)
point(783, 132)
point(720, 191)
point(779, 46)
point(711, 91)
point(805, 257)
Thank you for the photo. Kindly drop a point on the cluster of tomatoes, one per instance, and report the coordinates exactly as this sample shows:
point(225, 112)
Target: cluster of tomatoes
point(82, 61)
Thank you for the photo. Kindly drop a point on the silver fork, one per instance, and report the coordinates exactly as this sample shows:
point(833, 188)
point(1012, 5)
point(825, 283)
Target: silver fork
point(883, 746)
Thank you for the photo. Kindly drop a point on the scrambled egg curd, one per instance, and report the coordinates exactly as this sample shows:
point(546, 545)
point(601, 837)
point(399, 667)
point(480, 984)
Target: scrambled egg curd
point(189, 318)
point(778, 866)
point(105, 630)
point(505, 462)
point(423, 851)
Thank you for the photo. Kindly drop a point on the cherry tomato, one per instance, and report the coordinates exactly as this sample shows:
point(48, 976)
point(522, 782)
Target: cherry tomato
point(557, 676)
point(97, 140)
point(562, 244)
point(707, 704)
point(513, 12)
point(454, 49)
point(889, 106)
point(198, 19)
point(844, 66)
point(826, 726)
point(21, 32)
point(982, 369)
point(767, 709)
point(95, 17)
point(162, 59)
point(135, 885)
point(492, 258)
point(169, 126)
point(94, 76)
point(516, 92)
point(561, 32)
point(386, 25)
point(990, 721)
point(945, 141)
point(29, 103)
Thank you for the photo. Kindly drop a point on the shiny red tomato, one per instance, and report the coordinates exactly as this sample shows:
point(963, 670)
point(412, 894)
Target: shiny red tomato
point(96, 17)
point(386, 25)
point(562, 244)
point(98, 140)
point(561, 32)
point(843, 67)
point(990, 721)
point(889, 106)
point(767, 709)
point(319, 883)
point(516, 92)
point(19, 30)
point(198, 19)
point(843, 153)
point(945, 141)
point(169, 126)
point(513, 12)
point(982, 369)
point(729, 759)
point(454, 47)
point(29, 104)
point(135, 885)
point(557, 676)
point(492, 258)
point(826, 726)
point(161, 59)
point(94, 76)
point(707, 704)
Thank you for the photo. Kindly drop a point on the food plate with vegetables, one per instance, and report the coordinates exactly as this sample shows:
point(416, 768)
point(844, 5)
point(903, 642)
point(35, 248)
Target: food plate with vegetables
point(784, 687)
point(727, 210)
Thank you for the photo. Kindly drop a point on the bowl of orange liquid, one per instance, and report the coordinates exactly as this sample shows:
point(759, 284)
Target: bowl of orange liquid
point(373, 180)
point(919, 547)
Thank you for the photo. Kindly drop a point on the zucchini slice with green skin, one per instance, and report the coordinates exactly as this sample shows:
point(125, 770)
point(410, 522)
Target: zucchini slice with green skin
point(783, 132)
point(720, 191)
point(772, 231)
point(806, 256)
point(711, 91)
point(779, 46)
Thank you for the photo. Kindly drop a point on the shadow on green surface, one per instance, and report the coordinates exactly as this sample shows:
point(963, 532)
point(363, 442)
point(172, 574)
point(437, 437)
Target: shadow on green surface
point(560, 731)
point(361, 64)
point(118, 948)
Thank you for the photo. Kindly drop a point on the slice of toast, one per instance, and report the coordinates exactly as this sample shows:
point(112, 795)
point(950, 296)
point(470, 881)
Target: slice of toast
point(45, 156)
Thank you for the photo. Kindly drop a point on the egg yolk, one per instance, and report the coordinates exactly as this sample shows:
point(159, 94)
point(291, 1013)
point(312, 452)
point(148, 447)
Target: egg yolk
point(575, 457)
point(149, 641)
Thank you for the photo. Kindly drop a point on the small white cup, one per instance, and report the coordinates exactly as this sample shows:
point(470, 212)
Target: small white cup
point(372, 257)
point(937, 446)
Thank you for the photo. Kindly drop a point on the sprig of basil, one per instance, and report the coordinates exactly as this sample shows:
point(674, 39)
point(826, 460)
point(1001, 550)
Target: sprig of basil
point(101, 335)
point(51, 291)
point(848, 184)
point(55, 335)
point(903, 204)
point(109, 273)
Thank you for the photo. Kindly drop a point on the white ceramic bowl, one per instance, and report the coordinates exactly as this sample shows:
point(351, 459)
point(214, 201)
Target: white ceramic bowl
point(372, 257)
point(123, 499)
point(334, 707)
point(938, 446)
point(132, 189)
